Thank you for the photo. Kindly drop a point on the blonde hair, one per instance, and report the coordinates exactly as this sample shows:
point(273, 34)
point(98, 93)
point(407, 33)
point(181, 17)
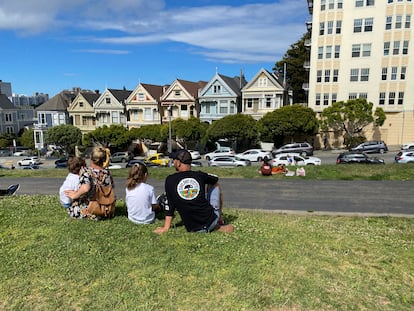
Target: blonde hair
point(98, 155)
point(137, 175)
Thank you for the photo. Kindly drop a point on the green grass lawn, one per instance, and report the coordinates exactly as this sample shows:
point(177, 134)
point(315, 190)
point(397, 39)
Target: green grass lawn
point(271, 262)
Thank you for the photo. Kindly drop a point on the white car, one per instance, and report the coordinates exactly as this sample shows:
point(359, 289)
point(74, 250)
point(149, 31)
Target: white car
point(219, 153)
point(294, 159)
point(28, 161)
point(408, 146)
point(227, 161)
point(254, 155)
point(195, 155)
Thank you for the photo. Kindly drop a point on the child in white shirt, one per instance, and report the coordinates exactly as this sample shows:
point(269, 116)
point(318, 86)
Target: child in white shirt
point(75, 165)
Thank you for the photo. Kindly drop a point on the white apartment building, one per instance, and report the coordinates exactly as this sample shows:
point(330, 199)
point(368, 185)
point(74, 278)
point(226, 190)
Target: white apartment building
point(365, 49)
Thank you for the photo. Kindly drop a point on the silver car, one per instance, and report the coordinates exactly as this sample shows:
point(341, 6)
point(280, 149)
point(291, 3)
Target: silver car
point(228, 162)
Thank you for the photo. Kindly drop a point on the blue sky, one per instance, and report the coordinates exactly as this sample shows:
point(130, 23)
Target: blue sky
point(51, 45)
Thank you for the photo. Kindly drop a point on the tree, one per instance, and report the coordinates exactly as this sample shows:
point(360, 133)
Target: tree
point(289, 122)
point(189, 130)
point(296, 74)
point(350, 118)
point(116, 136)
point(65, 135)
point(240, 128)
point(151, 132)
point(27, 138)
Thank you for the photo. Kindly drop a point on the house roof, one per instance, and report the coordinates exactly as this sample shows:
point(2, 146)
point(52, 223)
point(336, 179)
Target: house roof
point(5, 102)
point(59, 102)
point(192, 87)
point(235, 83)
point(155, 91)
point(90, 97)
point(120, 95)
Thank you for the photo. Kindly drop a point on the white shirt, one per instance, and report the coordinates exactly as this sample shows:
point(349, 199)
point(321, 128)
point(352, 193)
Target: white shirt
point(139, 203)
point(71, 183)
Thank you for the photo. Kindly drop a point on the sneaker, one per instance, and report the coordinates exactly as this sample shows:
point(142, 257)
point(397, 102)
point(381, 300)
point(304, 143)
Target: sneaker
point(13, 189)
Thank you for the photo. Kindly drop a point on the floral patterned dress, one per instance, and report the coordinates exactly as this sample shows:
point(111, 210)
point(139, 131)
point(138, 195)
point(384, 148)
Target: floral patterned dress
point(79, 207)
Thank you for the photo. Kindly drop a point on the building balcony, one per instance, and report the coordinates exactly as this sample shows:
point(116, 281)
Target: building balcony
point(310, 6)
point(308, 43)
point(306, 65)
point(309, 25)
point(305, 87)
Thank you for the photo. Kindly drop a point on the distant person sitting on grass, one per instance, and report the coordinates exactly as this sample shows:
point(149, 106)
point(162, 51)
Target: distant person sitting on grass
point(266, 168)
point(75, 165)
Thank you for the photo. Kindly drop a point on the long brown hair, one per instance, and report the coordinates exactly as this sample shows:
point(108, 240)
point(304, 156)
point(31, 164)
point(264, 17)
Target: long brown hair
point(137, 175)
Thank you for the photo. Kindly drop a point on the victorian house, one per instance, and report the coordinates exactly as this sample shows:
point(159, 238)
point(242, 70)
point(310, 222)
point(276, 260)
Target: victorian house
point(110, 107)
point(82, 113)
point(221, 97)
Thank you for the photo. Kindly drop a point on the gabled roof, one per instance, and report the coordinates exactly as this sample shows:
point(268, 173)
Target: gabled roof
point(120, 95)
point(235, 83)
point(90, 97)
point(155, 91)
point(59, 102)
point(277, 81)
point(5, 102)
point(192, 87)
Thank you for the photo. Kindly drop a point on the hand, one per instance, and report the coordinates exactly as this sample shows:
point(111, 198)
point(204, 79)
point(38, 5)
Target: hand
point(70, 193)
point(160, 230)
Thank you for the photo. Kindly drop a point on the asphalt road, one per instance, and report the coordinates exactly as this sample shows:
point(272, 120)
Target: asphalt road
point(392, 198)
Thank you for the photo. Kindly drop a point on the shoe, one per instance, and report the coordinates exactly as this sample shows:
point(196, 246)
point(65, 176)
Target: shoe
point(13, 189)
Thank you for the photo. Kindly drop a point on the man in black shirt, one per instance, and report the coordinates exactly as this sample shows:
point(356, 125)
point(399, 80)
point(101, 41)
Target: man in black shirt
point(186, 193)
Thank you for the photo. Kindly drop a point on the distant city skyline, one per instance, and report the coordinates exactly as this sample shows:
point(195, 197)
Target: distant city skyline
point(122, 43)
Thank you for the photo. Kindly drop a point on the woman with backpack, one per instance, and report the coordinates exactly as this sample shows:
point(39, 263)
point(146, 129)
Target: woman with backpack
point(93, 177)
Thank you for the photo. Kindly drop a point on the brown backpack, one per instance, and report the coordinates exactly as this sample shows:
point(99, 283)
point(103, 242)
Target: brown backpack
point(102, 203)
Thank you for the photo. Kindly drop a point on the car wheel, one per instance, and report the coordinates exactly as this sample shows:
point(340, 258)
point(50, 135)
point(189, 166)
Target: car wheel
point(207, 158)
point(303, 154)
point(381, 150)
point(123, 160)
point(259, 159)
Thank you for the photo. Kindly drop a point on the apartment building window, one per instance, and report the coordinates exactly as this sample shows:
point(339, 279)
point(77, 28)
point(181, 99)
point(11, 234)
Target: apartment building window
point(330, 27)
point(9, 130)
point(366, 49)
point(326, 99)
point(356, 50)
point(318, 99)
point(359, 3)
point(386, 48)
point(331, 4)
point(393, 73)
point(388, 23)
point(334, 98)
point(358, 25)
point(327, 75)
point(323, 5)
point(408, 21)
point(328, 51)
point(398, 21)
point(8, 117)
point(337, 51)
point(321, 28)
point(364, 74)
point(363, 95)
point(370, 2)
point(382, 98)
point(403, 71)
point(319, 76)
point(391, 98)
point(338, 27)
point(320, 52)
point(339, 4)
point(369, 22)
point(400, 98)
point(384, 73)
point(353, 96)
point(396, 48)
point(354, 74)
point(335, 75)
point(405, 47)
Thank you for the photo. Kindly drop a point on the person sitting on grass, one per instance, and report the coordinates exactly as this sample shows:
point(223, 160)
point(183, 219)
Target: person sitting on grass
point(75, 165)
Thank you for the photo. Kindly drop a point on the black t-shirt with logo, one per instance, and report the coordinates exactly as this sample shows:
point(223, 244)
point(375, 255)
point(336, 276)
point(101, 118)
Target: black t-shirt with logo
point(186, 193)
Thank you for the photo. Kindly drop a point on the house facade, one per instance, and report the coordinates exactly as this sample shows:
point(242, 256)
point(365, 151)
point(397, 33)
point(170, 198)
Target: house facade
point(264, 93)
point(110, 107)
point(220, 97)
point(143, 105)
point(181, 100)
point(12, 118)
point(82, 113)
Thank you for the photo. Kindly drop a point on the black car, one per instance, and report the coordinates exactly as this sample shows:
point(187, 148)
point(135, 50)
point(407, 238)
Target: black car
point(357, 157)
point(61, 163)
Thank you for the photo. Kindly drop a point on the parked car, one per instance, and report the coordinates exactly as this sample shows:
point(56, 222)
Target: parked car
point(195, 155)
point(219, 153)
point(135, 161)
point(228, 161)
point(371, 146)
point(158, 159)
point(404, 157)
point(304, 149)
point(408, 146)
point(21, 153)
point(61, 163)
point(357, 157)
point(295, 159)
point(28, 161)
point(31, 167)
point(254, 155)
point(120, 157)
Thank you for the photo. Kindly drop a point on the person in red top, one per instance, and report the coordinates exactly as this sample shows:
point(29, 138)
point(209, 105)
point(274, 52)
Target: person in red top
point(266, 168)
point(186, 193)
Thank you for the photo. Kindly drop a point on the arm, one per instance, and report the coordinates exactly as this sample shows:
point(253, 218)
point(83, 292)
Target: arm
point(76, 194)
point(167, 225)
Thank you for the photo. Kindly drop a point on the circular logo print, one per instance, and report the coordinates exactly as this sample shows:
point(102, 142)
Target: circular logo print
point(188, 188)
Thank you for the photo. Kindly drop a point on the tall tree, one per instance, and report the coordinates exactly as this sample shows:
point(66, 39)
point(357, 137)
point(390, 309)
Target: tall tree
point(67, 136)
point(288, 123)
point(116, 136)
point(296, 75)
point(350, 118)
